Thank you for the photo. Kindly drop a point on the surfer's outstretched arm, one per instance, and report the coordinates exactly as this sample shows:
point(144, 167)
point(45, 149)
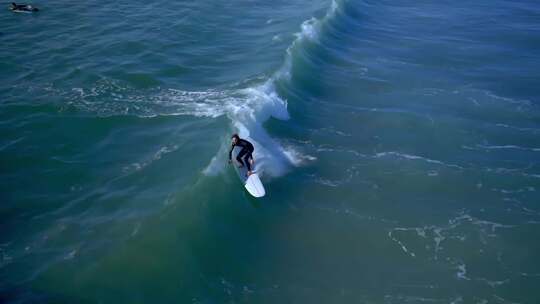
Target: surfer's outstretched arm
point(230, 153)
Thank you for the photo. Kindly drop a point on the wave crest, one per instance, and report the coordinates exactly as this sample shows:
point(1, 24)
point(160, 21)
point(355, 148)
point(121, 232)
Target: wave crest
point(262, 102)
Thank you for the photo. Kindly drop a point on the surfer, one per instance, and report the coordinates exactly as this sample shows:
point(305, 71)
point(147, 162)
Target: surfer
point(23, 7)
point(246, 152)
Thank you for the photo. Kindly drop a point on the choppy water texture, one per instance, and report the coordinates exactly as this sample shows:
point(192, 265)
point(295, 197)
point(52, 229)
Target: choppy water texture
point(399, 143)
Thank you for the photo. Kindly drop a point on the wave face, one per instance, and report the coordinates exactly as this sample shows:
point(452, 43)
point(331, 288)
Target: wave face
point(398, 142)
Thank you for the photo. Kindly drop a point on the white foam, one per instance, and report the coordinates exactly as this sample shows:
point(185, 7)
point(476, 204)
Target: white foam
point(70, 255)
point(522, 102)
point(310, 30)
point(156, 156)
point(461, 272)
point(494, 284)
point(296, 157)
point(496, 147)
point(535, 130)
point(218, 162)
point(136, 229)
point(257, 104)
point(412, 254)
point(108, 98)
point(415, 157)
point(247, 108)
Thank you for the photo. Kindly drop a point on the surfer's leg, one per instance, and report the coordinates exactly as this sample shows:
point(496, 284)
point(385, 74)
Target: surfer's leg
point(240, 155)
point(247, 160)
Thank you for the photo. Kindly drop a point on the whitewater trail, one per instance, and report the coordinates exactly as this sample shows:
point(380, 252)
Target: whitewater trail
point(247, 108)
point(262, 102)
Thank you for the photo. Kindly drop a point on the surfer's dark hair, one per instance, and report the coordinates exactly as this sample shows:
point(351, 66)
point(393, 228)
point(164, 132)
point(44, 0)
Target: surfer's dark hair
point(235, 135)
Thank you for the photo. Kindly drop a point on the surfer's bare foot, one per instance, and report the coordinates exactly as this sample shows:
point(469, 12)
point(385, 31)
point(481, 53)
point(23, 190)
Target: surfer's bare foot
point(249, 173)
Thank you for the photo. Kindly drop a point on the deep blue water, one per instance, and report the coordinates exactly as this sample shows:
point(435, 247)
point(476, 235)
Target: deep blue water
point(399, 144)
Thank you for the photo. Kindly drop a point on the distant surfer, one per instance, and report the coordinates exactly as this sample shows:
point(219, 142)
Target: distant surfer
point(246, 152)
point(23, 7)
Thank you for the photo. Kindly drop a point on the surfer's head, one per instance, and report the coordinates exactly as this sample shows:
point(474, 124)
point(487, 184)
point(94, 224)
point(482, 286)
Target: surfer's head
point(235, 138)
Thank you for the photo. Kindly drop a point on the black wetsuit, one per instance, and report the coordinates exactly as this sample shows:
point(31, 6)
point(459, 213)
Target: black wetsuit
point(247, 149)
point(23, 7)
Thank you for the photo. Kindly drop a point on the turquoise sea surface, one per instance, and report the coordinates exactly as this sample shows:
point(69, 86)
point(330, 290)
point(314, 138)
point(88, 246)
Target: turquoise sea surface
point(398, 141)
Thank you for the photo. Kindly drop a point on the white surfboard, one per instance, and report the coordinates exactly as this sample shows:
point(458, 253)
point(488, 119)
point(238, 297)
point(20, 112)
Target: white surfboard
point(252, 183)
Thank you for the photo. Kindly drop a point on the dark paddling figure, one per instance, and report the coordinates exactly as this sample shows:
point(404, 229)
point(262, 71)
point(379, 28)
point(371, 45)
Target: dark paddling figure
point(23, 7)
point(246, 152)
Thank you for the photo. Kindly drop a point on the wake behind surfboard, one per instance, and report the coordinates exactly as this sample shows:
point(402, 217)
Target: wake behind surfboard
point(252, 183)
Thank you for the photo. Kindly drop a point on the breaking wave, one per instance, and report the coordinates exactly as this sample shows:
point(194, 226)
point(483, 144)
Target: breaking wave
point(247, 108)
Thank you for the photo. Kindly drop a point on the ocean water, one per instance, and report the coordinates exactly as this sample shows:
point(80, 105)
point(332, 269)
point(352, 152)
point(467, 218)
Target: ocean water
point(398, 141)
